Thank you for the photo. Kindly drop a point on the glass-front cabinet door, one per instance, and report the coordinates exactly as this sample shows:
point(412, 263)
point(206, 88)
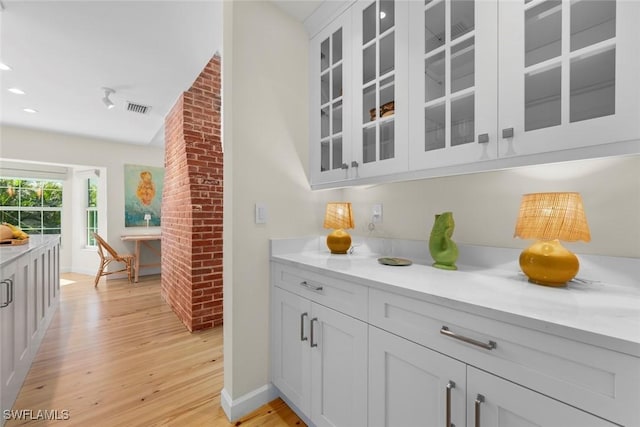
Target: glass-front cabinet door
point(330, 103)
point(380, 87)
point(569, 73)
point(453, 74)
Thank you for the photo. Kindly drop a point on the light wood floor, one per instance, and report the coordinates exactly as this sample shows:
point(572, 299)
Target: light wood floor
point(118, 356)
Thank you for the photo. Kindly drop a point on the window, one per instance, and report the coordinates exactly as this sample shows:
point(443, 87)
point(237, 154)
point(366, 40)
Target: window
point(92, 211)
point(33, 205)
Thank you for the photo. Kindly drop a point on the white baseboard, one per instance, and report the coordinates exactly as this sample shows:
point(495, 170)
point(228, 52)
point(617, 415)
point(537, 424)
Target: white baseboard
point(251, 401)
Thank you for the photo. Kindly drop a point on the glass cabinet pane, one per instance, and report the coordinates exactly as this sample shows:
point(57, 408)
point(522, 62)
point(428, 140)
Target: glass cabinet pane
point(324, 88)
point(434, 119)
point(337, 46)
point(434, 77)
point(324, 55)
point(542, 98)
point(593, 86)
point(336, 148)
point(462, 17)
point(592, 21)
point(369, 64)
point(369, 144)
point(387, 15)
point(387, 143)
point(386, 54)
point(369, 112)
point(543, 31)
point(434, 23)
point(336, 120)
point(387, 97)
point(462, 120)
point(462, 65)
point(324, 122)
point(337, 82)
point(325, 153)
point(369, 23)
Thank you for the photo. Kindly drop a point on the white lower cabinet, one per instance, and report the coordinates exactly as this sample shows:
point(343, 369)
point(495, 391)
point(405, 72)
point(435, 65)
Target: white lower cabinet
point(319, 360)
point(495, 402)
point(410, 385)
point(347, 355)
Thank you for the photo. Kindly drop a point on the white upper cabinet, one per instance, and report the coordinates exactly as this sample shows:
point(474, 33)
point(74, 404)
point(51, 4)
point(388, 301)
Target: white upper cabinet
point(431, 87)
point(453, 73)
point(380, 82)
point(568, 74)
point(330, 108)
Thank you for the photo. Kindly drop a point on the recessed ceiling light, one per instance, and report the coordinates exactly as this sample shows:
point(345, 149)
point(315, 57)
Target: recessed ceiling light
point(29, 110)
point(16, 91)
point(4, 67)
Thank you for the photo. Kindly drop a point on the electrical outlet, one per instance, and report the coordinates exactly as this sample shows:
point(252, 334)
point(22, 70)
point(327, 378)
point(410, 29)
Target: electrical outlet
point(376, 213)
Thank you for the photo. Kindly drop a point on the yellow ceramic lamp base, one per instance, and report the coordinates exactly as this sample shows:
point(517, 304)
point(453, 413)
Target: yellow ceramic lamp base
point(549, 263)
point(339, 241)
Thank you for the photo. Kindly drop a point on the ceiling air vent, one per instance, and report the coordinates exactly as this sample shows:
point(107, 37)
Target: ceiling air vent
point(137, 108)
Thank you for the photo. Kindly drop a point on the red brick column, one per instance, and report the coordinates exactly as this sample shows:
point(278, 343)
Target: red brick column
point(192, 203)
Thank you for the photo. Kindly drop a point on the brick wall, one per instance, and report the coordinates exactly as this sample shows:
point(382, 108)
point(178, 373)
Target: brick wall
point(192, 203)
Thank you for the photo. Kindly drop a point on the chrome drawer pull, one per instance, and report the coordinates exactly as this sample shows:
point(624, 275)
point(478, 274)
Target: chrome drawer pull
point(450, 385)
point(7, 290)
point(479, 400)
point(311, 287)
point(487, 346)
point(313, 344)
point(302, 316)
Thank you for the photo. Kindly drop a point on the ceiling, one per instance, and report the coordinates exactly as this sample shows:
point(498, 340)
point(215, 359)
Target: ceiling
point(63, 52)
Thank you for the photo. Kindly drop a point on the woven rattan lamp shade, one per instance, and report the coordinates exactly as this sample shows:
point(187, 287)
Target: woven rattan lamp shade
point(548, 216)
point(338, 215)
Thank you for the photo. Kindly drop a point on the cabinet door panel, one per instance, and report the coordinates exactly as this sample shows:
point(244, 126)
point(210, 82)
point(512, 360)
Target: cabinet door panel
point(568, 74)
point(330, 102)
point(290, 346)
point(453, 73)
point(506, 404)
point(408, 383)
point(339, 369)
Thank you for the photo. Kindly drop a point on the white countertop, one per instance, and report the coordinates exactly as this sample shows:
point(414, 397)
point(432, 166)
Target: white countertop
point(10, 253)
point(597, 312)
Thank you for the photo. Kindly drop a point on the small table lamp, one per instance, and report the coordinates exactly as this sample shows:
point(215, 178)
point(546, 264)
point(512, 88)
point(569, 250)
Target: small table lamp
point(338, 217)
point(147, 217)
point(550, 217)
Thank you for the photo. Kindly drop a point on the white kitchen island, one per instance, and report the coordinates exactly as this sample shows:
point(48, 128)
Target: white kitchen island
point(29, 296)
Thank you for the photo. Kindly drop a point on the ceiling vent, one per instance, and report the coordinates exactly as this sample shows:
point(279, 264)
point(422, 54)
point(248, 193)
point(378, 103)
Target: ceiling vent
point(137, 108)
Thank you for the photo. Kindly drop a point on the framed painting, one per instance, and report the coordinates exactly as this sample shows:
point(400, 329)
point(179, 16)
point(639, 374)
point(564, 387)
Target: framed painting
point(142, 195)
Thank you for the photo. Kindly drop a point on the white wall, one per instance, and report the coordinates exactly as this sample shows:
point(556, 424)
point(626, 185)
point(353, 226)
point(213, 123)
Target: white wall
point(485, 205)
point(108, 156)
point(266, 155)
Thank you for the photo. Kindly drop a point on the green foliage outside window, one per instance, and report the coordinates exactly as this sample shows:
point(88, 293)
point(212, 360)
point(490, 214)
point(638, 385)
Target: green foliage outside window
point(33, 205)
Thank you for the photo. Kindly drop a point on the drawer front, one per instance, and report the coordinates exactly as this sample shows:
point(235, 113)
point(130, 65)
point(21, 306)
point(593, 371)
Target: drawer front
point(340, 295)
point(600, 381)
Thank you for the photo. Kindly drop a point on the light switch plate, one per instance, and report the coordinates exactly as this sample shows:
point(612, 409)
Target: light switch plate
point(376, 213)
point(261, 213)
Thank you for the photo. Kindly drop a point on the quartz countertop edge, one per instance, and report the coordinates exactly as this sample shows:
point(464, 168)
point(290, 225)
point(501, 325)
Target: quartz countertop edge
point(600, 314)
point(9, 253)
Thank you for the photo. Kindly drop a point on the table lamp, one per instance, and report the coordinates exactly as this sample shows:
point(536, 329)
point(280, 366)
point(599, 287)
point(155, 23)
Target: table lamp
point(338, 217)
point(549, 218)
point(147, 217)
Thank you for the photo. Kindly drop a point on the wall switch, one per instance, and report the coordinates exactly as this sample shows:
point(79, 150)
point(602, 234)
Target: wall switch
point(261, 213)
point(376, 213)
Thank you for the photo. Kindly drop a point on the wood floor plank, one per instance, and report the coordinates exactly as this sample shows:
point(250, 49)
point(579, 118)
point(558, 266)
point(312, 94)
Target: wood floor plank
point(117, 355)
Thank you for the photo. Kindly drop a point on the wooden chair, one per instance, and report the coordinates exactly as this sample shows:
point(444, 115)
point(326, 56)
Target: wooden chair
point(108, 255)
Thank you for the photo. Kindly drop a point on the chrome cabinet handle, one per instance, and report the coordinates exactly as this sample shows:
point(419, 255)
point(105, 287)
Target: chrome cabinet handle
point(479, 400)
point(311, 287)
point(302, 316)
point(8, 301)
point(354, 164)
point(11, 290)
point(483, 138)
point(344, 166)
point(313, 344)
point(450, 385)
point(487, 346)
point(507, 133)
